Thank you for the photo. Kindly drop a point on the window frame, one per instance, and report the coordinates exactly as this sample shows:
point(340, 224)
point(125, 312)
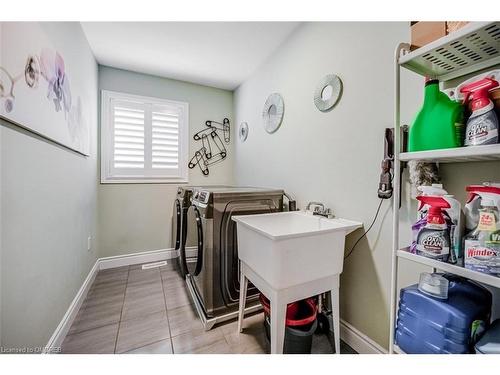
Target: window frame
point(108, 175)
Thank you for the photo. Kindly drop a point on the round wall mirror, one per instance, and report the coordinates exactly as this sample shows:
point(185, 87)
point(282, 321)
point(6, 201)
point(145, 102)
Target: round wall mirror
point(272, 114)
point(328, 92)
point(243, 131)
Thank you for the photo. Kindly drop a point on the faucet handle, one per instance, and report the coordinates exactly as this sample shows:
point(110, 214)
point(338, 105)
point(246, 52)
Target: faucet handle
point(328, 213)
point(317, 206)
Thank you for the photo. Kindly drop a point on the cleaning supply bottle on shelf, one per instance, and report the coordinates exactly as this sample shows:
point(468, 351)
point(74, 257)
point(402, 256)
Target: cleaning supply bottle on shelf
point(433, 240)
point(488, 190)
point(437, 124)
point(482, 246)
point(482, 125)
point(453, 217)
point(432, 190)
point(426, 190)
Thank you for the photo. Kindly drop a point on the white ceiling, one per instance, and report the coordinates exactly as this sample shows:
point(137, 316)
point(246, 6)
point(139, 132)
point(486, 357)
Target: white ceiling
point(218, 54)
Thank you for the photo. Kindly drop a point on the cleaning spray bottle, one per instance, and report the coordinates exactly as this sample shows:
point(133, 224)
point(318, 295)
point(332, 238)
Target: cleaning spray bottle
point(488, 190)
point(453, 217)
point(435, 125)
point(482, 125)
point(433, 240)
point(482, 245)
point(422, 210)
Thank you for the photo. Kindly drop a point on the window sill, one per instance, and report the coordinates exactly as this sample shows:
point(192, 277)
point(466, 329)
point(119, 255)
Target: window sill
point(144, 181)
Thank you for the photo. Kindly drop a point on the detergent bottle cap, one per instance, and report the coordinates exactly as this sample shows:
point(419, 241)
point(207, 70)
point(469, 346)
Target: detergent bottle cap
point(430, 81)
point(477, 93)
point(436, 204)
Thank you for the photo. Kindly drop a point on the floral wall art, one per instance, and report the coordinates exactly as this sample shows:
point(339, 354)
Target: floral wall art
point(43, 83)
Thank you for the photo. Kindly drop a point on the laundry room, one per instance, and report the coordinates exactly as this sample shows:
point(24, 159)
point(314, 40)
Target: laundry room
point(288, 185)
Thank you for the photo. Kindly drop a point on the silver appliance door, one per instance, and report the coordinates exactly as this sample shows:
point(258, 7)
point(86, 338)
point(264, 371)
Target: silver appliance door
point(201, 275)
point(193, 263)
point(188, 251)
point(176, 225)
point(178, 236)
point(226, 237)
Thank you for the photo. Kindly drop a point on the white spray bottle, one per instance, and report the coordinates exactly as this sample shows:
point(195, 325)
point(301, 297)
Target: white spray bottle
point(453, 216)
point(489, 191)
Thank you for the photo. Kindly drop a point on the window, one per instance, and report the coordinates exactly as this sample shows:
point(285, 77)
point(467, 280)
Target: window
point(143, 139)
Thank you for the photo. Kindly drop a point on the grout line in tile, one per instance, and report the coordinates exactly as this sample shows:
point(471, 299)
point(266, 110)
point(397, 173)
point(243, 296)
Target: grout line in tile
point(151, 343)
point(90, 329)
point(166, 312)
point(121, 312)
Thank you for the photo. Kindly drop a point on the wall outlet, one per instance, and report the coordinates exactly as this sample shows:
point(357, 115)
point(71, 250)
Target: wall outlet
point(89, 243)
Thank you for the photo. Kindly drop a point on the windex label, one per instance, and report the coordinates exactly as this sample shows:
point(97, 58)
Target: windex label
point(482, 258)
point(482, 253)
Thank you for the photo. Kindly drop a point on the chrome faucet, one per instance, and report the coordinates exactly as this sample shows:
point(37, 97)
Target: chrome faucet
point(317, 204)
point(319, 209)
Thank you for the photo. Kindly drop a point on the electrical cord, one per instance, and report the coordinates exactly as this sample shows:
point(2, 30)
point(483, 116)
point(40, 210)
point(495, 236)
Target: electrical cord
point(366, 232)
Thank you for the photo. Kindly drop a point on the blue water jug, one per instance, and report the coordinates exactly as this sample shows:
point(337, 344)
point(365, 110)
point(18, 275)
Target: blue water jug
point(429, 325)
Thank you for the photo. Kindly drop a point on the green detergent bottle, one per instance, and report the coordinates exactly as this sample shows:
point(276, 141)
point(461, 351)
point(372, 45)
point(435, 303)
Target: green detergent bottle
point(438, 124)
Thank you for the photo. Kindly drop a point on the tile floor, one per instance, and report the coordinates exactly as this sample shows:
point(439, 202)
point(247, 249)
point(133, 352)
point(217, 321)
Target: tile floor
point(131, 310)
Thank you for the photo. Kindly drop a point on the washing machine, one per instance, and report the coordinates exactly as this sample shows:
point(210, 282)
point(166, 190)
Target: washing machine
point(183, 238)
point(213, 275)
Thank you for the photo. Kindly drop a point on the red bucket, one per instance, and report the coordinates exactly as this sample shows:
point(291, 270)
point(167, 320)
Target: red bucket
point(298, 313)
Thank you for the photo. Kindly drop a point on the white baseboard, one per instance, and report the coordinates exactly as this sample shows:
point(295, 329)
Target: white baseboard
point(62, 329)
point(142, 257)
point(137, 258)
point(358, 340)
point(101, 264)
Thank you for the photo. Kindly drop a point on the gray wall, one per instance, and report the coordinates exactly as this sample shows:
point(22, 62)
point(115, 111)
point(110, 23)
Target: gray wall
point(333, 157)
point(49, 208)
point(138, 217)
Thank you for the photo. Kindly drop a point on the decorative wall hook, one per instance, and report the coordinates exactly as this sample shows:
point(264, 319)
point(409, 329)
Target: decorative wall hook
point(209, 136)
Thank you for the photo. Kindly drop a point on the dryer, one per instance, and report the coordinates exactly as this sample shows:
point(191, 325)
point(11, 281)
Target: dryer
point(214, 274)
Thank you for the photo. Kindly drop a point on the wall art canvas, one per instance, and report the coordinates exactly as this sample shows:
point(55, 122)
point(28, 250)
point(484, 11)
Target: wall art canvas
point(43, 84)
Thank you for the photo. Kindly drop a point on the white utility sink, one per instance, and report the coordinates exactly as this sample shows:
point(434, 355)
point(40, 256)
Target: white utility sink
point(291, 248)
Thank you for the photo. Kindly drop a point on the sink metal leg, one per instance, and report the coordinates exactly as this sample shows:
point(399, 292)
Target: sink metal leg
point(278, 317)
point(243, 297)
point(336, 318)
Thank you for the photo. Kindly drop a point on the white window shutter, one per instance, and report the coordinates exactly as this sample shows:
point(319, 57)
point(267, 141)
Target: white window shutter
point(165, 137)
point(128, 122)
point(143, 139)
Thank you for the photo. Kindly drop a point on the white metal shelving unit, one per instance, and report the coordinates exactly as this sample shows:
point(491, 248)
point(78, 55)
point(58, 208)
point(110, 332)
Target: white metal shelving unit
point(472, 48)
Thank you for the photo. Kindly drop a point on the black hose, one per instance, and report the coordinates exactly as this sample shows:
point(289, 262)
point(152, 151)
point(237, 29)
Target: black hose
point(366, 232)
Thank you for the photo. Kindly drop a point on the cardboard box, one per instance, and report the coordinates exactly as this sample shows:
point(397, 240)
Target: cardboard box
point(452, 26)
point(424, 32)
